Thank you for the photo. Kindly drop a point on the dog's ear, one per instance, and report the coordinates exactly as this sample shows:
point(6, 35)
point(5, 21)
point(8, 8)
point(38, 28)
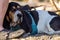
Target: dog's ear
point(26, 7)
point(7, 18)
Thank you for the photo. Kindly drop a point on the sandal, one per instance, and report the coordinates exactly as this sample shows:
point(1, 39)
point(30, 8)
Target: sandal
point(4, 34)
point(15, 34)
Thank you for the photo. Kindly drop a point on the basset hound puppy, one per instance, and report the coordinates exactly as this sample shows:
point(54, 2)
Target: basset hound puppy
point(31, 21)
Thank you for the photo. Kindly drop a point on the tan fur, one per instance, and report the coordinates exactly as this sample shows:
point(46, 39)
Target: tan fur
point(7, 18)
point(11, 15)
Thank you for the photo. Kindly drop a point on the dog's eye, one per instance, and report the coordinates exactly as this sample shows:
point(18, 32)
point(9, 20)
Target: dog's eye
point(14, 7)
point(18, 6)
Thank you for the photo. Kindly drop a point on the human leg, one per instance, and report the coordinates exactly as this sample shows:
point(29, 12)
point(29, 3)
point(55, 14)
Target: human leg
point(3, 8)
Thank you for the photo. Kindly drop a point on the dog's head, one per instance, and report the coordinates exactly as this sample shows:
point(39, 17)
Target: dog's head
point(13, 14)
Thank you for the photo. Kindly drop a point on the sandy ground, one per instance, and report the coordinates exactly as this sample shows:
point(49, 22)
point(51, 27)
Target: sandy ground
point(40, 37)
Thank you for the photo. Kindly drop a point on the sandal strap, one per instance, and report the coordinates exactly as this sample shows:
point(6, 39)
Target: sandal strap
point(3, 34)
point(16, 34)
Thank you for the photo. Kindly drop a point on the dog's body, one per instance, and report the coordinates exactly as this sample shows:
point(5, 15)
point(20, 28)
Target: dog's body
point(37, 21)
point(45, 22)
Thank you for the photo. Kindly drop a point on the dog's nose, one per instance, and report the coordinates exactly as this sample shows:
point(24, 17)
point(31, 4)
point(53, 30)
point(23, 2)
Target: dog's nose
point(19, 15)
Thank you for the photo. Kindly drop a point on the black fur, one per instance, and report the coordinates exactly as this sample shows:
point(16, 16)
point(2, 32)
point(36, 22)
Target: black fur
point(26, 7)
point(27, 21)
point(52, 13)
point(35, 15)
point(26, 24)
point(55, 23)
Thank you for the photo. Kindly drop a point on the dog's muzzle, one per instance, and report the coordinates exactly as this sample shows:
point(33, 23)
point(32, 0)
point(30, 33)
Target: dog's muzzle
point(18, 17)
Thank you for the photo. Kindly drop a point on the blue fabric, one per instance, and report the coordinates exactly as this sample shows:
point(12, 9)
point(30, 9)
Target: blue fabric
point(17, 27)
point(34, 26)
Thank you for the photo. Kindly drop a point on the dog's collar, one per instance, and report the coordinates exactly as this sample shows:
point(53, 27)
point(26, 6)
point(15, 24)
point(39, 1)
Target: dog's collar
point(34, 26)
point(14, 28)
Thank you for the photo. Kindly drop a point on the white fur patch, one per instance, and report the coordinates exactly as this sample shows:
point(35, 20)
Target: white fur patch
point(15, 15)
point(43, 23)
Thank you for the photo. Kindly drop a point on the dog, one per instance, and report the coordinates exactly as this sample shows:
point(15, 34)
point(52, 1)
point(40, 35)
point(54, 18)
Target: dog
point(32, 21)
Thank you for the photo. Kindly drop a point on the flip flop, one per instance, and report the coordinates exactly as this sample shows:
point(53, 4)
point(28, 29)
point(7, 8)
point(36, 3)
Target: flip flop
point(4, 34)
point(17, 33)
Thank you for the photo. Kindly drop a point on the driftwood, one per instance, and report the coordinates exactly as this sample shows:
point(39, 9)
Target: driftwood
point(55, 6)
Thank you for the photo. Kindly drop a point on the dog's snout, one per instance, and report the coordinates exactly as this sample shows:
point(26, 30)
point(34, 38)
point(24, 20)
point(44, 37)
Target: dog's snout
point(19, 15)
